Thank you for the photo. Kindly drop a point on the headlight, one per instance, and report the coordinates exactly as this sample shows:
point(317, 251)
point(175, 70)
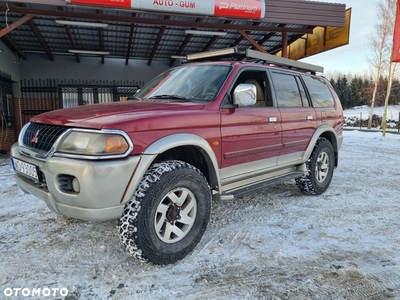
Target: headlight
point(94, 144)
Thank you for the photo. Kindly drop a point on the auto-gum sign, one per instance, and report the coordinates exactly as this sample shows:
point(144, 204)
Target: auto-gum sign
point(254, 9)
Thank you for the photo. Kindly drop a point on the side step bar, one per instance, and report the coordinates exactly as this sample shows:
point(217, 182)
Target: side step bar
point(237, 193)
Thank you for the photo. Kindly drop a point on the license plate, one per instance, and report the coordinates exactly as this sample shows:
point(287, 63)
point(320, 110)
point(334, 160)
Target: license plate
point(26, 169)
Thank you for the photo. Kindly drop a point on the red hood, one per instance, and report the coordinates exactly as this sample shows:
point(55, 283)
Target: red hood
point(113, 115)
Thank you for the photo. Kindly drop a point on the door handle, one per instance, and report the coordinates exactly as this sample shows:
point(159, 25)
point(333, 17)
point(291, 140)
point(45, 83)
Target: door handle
point(272, 119)
point(310, 118)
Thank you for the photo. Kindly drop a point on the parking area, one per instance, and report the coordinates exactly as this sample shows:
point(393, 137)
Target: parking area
point(274, 244)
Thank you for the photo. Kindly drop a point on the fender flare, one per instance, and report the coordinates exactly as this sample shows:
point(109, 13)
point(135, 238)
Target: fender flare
point(167, 143)
point(323, 130)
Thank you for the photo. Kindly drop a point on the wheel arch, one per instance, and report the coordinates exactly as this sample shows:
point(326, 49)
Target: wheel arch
point(327, 132)
point(189, 148)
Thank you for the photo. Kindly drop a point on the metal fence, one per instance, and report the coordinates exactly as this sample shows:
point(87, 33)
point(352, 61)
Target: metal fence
point(40, 96)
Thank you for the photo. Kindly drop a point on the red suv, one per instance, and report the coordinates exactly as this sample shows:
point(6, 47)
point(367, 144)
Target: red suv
point(196, 133)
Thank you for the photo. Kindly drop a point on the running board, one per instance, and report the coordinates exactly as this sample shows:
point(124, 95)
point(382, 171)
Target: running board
point(237, 193)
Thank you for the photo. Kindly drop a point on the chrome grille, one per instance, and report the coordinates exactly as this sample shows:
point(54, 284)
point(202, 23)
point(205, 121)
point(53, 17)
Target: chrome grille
point(41, 137)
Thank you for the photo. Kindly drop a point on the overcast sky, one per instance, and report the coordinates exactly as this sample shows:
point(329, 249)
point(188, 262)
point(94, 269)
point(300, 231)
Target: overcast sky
point(353, 57)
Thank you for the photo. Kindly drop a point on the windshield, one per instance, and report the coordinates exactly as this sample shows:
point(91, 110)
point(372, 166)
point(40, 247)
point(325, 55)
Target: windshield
point(188, 83)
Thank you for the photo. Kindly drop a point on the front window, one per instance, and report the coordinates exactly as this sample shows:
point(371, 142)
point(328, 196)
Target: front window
point(189, 83)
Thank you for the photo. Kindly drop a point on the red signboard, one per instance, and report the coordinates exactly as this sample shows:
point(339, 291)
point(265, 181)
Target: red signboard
point(116, 3)
point(254, 9)
point(251, 9)
point(396, 36)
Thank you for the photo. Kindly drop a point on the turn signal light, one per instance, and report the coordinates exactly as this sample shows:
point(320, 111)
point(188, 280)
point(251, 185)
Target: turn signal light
point(115, 144)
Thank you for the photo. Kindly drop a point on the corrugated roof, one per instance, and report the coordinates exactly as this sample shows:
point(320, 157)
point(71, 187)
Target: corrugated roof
point(153, 36)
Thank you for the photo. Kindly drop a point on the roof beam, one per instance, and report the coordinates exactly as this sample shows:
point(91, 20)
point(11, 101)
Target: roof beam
point(38, 36)
point(70, 38)
point(128, 52)
point(253, 42)
point(131, 32)
point(100, 34)
point(269, 35)
point(71, 41)
point(157, 43)
point(15, 46)
point(213, 39)
point(184, 44)
point(181, 48)
point(41, 40)
point(291, 40)
point(14, 25)
point(241, 38)
point(161, 22)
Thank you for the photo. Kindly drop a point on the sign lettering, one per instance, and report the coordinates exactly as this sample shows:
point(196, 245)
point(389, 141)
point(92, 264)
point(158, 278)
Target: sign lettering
point(254, 9)
point(241, 9)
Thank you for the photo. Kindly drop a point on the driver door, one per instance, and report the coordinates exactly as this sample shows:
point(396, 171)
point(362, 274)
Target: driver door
point(251, 136)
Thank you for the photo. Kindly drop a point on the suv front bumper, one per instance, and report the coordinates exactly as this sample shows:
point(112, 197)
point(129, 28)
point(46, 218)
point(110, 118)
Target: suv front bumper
point(103, 185)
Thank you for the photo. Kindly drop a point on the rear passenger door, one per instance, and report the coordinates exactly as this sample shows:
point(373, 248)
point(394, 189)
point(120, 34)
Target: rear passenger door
point(297, 115)
point(323, 102)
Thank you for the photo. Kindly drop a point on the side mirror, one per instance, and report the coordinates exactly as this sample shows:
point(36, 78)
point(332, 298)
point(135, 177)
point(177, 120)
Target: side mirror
point(245, 95)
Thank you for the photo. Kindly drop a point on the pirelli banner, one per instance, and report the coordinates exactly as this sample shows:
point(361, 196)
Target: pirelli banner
point(322, 39)
point(252, 9)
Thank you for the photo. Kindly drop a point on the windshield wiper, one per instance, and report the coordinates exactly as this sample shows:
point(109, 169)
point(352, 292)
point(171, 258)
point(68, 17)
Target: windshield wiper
point(169, 97)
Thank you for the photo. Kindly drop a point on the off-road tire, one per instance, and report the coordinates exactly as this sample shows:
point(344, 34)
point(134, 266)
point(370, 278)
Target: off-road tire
point(320, 167)
point(138, 222)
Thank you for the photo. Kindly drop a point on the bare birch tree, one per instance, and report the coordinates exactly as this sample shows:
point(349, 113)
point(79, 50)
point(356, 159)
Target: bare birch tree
point(381, 44)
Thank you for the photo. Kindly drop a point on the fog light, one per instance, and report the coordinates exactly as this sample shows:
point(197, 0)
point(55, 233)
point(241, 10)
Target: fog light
point(75, 185)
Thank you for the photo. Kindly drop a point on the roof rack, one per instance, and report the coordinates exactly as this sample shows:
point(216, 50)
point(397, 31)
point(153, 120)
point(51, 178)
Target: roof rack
point(257, 56)
point(213, 54)
point(285, 62)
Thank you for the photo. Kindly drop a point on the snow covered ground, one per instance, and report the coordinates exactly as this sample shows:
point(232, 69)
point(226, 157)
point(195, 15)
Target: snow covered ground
point(275, 244)
point(363, 112)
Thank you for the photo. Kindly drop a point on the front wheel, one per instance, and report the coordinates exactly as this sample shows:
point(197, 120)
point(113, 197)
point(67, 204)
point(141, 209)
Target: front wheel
point(168, 213)
point(320, 167)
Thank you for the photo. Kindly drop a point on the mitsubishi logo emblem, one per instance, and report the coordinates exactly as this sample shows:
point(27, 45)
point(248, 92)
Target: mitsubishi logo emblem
point(35, 138)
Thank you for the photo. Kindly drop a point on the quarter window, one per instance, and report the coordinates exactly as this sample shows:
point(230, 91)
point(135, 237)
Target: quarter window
point(319, 91)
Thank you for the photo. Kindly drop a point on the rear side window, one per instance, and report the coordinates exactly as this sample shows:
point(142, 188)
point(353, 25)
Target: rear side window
point(287, 91)
point(319, 92)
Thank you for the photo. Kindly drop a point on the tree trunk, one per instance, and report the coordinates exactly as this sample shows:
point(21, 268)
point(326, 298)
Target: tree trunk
point(389, 87)
point(371, 110)
point(380, 42)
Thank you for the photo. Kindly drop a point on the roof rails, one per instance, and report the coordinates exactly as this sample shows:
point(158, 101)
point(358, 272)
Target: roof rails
point(255, 55)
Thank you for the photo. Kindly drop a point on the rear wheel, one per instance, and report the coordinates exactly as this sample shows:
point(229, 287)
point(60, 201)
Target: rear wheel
point(320, 167)
point(168, 213)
